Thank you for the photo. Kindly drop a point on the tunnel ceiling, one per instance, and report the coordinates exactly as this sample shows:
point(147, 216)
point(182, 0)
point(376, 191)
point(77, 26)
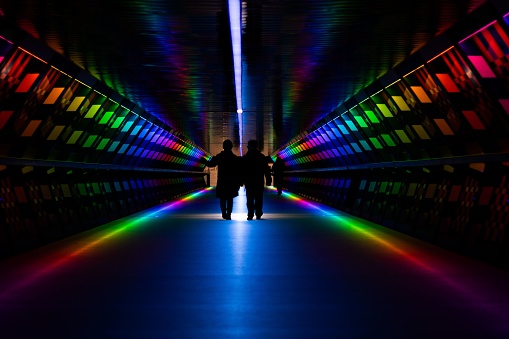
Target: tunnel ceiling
point(301, 58)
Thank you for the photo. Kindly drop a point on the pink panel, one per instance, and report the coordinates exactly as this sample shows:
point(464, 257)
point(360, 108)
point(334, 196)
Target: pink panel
point(505, 104)
point(482, 66)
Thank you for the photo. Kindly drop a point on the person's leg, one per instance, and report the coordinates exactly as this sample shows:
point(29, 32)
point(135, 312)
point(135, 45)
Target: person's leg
point(229, 207)
point(250, 200)
point(279, 185)
point(258, 204)
point(222, 203)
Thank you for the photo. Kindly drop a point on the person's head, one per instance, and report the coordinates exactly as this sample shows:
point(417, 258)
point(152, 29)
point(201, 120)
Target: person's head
point(252, 144)
point(227, 145)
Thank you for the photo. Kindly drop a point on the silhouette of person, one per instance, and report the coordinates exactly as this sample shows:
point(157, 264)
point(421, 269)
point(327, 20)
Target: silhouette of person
point(228, 180)
point(277, 171)
point(256, 173)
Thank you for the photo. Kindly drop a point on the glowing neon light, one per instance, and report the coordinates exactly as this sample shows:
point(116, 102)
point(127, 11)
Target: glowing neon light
point(436, 56)
point(100, 236)
point(235, 28)
point(418, 260)
point(33, 55)
point(479, 30)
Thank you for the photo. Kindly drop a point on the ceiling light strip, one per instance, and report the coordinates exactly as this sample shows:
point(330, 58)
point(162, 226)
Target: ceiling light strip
point(236, 33)
point(235, 28)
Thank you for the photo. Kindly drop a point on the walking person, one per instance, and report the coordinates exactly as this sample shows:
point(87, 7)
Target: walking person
point(228, 177)
point(277, 171)
point(256, 174)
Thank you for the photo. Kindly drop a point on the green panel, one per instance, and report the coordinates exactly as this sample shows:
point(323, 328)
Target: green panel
point(90, 140)
point(376, 143)
point(360, 121)
point(118, 122)
point(388, 140)
point(371, 115)
point(103, 144)
point(106, 117)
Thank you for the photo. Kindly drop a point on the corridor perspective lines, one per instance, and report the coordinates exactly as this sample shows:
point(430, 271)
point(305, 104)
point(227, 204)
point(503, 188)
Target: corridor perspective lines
point(305, 270)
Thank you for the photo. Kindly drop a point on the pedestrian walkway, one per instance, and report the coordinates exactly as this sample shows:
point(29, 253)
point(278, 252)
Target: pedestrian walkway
point(304, 270)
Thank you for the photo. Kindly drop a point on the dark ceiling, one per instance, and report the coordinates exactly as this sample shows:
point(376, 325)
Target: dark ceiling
point(301, 58)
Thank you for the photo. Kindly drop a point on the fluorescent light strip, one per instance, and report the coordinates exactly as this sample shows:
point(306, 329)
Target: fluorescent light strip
point(235, 28)
point(491, 23)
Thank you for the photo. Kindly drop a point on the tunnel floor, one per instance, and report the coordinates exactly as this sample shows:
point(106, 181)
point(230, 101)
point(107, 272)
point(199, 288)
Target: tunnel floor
point(303, 271)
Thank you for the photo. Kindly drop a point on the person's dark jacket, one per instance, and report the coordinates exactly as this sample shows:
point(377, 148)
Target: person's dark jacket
point(277, 169)
point(255, 170)
point(228, 174)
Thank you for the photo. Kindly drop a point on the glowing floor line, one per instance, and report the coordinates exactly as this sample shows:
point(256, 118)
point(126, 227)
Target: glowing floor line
point(366, 229)
point(119, 226)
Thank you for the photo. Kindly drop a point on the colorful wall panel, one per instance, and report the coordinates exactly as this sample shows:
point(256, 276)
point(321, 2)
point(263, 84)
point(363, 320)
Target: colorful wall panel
point(47, 114)
point(75, 154)
point(424, 150)
point(40, 204)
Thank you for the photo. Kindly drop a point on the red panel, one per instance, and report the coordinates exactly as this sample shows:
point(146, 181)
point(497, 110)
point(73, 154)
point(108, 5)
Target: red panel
point(473, 119)
point(448, 83)
point(4, 117)
point(27, 82)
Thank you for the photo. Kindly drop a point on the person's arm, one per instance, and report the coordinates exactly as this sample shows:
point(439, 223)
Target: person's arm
point(210, 163)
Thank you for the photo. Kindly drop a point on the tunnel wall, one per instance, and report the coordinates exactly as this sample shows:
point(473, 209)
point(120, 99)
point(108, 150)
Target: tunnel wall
point(41, 204)
point(425, 148)
point(74, 153)
point(463, 210)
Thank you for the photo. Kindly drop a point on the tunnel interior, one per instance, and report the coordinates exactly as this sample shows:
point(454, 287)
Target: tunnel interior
point(421, 146)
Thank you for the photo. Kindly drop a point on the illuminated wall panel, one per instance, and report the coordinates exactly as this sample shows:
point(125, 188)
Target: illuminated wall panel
point(73, 156)
point(43, 204)
point(48, 115)
point(426, 153)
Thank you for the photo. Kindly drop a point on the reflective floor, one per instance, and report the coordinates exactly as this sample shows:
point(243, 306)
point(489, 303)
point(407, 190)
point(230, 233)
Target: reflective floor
point(303, 271)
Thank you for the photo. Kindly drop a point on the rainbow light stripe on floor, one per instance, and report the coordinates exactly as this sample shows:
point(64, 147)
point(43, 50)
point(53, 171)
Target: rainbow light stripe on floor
point(88, 241)
point(418, 259)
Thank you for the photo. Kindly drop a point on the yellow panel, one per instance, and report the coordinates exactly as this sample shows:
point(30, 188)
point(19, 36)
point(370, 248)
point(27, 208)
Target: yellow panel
point(27, 169)
point(32, 126)
point(421, 132)
point(73, 107)
point(478, 166)
point(385, 110)
point(92, 111)
point(74, 137)
point(53, 96)
point(402, 136)
point(55, 133)
point(444, 127)
point(421, 94)
point(401, 103)
point(449, 168)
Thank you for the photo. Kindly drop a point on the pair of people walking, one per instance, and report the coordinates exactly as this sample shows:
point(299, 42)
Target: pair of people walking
point(251, 170)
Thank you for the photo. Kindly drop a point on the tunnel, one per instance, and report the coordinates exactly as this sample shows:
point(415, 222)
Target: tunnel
point(392, 120)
